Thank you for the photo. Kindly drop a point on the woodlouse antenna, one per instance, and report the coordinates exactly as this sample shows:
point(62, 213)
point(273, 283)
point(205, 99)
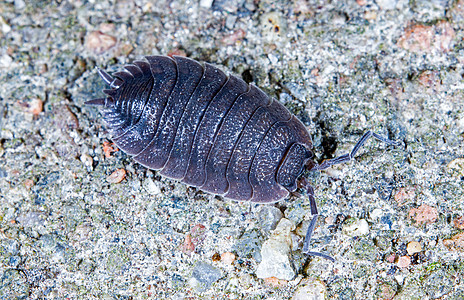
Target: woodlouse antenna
point(349, 156)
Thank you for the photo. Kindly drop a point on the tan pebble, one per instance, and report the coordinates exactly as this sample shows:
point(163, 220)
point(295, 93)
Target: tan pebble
point(100, 42)
point(391, 258)
point(36, 106)
point(42, 69)
point(228, 258)
point(414, 247)
point(28, 183)
point(117, 176)
point(404, 195)
point(188, 247)
point(124, 49)
point(330, 220)
point(275, 282)
point(311, 288)
point(423, 214)
point(177, 52)
point(456, 167)
point(302, 7)
point(370, 15)
point(232, 38)
point(456, 243)
point(418, 37)
point(429, 79)
point(107, 27)
point(403, 261)
point(444, 36)
point(459, 222)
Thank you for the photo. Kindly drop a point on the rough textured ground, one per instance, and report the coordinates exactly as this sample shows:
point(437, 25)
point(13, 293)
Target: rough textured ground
point(393, 218)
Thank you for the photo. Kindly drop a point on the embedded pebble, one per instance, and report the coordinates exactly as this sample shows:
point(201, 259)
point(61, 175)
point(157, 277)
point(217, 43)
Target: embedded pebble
point(456, 167)
point(117, 176)
point(151, 187)
point(203, 276)
point(230, 21)
point(413, 247)
point(65, 119)
point(36, 106)
point(206, 3)
point(311, 289)
point(275, 282)
point(391, 258)
point(268, 217)
point(423, 214)
point(100, 42)
point(357, 228)
point(5, 61)
point(5, 27)
point(194, 238)
point(456, 243)
point(274, 26)
point(19, 4)
point(227, 258)
point(249, 245)
point(403, 261)
point(107, 27)
point(235, 36)
point(275, 252)
point(386, 4)
point(418, 37)
point(87, 160)
point(405, 195)
point(459, 222)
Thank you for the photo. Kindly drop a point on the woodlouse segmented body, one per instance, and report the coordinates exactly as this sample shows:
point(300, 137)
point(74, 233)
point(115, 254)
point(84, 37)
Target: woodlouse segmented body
point(206, 129)
point(212, 131)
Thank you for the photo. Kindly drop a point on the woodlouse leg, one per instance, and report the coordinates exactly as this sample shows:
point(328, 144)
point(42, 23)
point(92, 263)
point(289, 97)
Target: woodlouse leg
point(312, 225)
point(349, 156)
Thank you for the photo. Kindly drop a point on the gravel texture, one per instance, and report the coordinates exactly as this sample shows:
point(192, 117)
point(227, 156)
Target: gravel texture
point(79, 219)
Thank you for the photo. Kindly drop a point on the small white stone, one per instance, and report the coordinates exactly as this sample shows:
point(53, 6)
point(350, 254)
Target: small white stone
point(376, 213)
point(87, 160)
point(312, 289)
point(399, 278)
point(230, 21)
point(387, 4)
point(151, 187)
point(19, 4)
point(5, 61)
point(206, 3)
point(275, 253)
point(359, 227)
point(5, 27)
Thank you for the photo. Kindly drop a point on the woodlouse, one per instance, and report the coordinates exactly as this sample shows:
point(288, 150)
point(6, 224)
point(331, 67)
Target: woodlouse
point(210, 130)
